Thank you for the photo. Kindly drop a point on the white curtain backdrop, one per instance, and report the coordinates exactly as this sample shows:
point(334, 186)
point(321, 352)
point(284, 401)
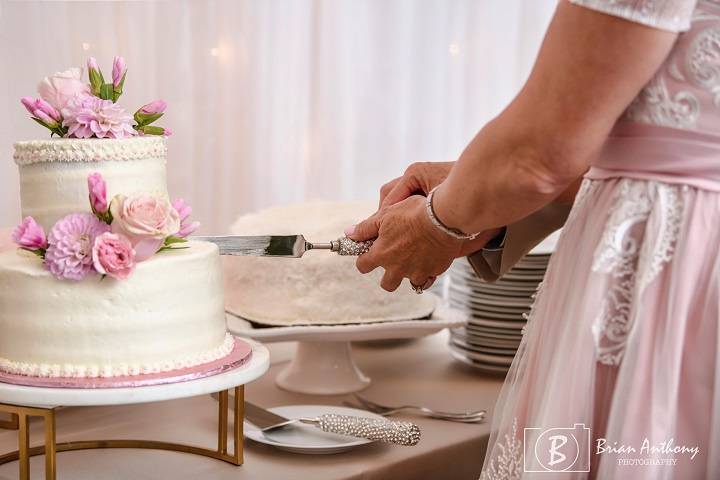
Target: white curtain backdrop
point(278, 101)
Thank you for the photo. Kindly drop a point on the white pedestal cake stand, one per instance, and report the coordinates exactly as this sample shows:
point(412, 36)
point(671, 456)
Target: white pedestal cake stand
point(23, 402)
point(323, 363)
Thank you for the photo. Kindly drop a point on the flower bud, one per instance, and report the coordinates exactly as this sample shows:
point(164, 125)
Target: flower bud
point(28, 103)
point(118, 71)
point(156, 106)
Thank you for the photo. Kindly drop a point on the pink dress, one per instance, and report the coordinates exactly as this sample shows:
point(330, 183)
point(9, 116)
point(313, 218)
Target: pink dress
point(617, 375)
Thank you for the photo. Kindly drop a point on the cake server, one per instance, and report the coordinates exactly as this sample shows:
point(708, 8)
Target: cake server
point(293, 246)
point(400, 433)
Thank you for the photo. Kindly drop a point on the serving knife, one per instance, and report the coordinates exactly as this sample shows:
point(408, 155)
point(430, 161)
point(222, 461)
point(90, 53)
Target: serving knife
point(292, 246)
point(400, 433)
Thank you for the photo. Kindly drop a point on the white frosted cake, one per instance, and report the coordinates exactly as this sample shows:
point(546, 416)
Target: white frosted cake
point(168, 314)
point(319, 288)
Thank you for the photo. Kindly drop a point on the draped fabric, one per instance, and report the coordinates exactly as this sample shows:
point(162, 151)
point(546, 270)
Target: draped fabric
point(279, 101)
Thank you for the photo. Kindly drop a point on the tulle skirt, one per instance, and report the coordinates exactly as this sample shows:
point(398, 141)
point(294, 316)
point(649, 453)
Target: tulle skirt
point(616, 376)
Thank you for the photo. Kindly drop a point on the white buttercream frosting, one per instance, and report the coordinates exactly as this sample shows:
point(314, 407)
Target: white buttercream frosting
point(89, 150)
point(169, 314)
point(319, 288)
point(53, 173)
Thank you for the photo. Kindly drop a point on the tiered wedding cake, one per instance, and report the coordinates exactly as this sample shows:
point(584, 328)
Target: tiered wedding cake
point(319, 288)
point(168, 314)
point(104, 283)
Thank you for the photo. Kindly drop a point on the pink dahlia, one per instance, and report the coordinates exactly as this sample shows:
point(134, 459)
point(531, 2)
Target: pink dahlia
point(88, 116)
point(70, 245)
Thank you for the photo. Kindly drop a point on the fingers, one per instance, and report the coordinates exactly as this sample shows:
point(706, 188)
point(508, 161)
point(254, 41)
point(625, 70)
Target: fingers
point(390, 281)
point(404, 188)
point(365, 230)
point(366, 262)
point(387, 188)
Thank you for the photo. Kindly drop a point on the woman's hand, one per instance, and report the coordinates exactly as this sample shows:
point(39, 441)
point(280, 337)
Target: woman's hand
point(408, 245)
point(419, 178)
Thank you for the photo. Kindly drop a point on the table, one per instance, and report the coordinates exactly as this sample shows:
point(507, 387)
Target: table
point(419, 371)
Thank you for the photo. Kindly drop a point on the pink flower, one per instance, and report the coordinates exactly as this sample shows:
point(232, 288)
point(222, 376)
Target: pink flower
point(184, 210)
point(145, 220)
point(89, 116)
point(113, 255)
point(98, 192)
point(156, 106)
point(167, 132)
point(40, 109)
point(70, 244)
point(60, 89)
point(92, 65)
point(118, 71)
point(29, 235)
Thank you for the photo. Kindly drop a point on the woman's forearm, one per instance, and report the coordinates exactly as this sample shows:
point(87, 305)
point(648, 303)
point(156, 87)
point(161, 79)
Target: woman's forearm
point(502, 177)
point(550, 133)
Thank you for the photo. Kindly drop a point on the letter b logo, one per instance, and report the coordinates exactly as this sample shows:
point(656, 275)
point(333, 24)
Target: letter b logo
point(557, 449)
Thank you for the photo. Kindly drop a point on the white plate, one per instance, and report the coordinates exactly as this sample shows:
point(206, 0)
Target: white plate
point(502, 325)
point(484, 341)
point(482, 367)
point(494, 360)
point(482, 349)
point(308, 439)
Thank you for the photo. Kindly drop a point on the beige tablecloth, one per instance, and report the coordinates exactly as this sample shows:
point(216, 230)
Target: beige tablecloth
point(419, 371)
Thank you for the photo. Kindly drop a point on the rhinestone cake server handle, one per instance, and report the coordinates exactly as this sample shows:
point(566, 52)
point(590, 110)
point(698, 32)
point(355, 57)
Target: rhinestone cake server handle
point(345, 246)
point(399, 433)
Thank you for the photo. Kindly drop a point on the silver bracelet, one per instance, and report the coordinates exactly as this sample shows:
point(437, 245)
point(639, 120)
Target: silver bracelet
point(453, 232)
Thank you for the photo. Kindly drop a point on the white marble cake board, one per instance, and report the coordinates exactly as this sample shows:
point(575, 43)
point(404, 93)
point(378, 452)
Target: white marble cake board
point(323, 363)
point(45, 397)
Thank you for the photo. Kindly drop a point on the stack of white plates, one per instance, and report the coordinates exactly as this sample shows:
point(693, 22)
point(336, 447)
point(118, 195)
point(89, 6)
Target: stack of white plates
point(497, 311)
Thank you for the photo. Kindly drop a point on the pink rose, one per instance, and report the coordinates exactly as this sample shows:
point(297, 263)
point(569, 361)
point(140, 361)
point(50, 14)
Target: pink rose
point(98, 193)
point(30, 235)
point(113, 255)
point(145, 220)
point(59, 89)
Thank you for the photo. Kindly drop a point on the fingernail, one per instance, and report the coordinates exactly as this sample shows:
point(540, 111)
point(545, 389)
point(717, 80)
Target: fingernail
point(349, 230)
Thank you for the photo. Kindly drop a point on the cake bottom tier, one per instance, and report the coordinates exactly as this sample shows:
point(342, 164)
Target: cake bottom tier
point(169, 314)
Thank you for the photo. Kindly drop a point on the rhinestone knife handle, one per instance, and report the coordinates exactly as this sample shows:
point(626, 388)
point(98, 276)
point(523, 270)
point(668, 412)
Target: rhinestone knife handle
point(400, 433)
point(346, 246)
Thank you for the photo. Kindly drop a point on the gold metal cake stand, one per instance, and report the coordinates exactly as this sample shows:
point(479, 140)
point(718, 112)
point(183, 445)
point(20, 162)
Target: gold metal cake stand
point(20, 420)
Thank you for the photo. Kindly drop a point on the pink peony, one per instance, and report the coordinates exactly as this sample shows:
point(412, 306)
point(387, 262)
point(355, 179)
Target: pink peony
point(62, 88)
point(145, 220)
point(70, 244)
point(89, 116)
point(98, 192)
point(184, 210)
point(113, 255)
point(29, 235)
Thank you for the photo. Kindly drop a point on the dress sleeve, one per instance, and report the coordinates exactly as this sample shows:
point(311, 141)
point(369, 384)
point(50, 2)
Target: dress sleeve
point(520, 238)
point(671, 15)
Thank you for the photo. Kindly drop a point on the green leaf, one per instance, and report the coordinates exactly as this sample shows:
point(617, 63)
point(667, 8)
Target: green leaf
point(39, 252)
point(144, 119)
point(96, 81)
point(172, 240)
point(106, 91)
point(152, 130)
point(117, 91)
point(164, 249)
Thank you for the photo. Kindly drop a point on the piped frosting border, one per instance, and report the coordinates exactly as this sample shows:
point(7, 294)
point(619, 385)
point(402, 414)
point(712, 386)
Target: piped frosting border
point(89, 150)
point(120, 370)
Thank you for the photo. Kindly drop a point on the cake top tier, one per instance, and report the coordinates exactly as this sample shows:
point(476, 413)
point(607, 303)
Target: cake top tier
point(89, 150)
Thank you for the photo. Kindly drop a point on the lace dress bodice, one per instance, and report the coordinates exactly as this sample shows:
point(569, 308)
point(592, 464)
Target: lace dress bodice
point(685, 92)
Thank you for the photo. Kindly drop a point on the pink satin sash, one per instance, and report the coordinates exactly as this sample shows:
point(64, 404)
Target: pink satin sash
point(650, 152)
